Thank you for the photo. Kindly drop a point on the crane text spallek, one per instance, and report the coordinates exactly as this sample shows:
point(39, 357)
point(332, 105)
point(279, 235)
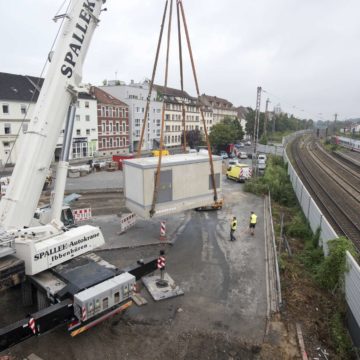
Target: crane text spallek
point(78, 37)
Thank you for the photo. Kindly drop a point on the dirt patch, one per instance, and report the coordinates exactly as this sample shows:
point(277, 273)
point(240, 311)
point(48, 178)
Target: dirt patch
point(304, 302)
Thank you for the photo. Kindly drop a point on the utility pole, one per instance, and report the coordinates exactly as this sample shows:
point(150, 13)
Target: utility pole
point(266, 116)
point(335, 119)
point(256, 124)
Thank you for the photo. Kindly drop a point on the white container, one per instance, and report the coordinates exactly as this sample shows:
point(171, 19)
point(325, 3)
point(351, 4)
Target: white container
point(185, 183)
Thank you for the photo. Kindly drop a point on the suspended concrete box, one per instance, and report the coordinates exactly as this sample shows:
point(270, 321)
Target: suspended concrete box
point(185, 183)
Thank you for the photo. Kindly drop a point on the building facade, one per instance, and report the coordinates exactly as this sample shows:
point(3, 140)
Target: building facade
point(112, 123)
point(18, 96)
point(221, 108)
point(135, 95)
point(173, 99)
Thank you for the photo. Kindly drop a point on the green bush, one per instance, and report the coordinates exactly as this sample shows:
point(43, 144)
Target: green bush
point(299, 227)
point(332, 269)
point(256, 186)
point(340, 337)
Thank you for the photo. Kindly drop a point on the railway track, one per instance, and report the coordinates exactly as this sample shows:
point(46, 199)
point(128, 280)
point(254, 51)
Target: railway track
point(331, 187)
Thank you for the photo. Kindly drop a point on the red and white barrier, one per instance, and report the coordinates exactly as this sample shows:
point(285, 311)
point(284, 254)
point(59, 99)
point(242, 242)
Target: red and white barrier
point(127, 221)
point(161, 263)
point(32, 325)
point(82, 214)
point(83, 313)
point(163, 230)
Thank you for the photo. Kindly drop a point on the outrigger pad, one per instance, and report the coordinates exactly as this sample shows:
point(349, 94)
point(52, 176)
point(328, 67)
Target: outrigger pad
point(161, 289)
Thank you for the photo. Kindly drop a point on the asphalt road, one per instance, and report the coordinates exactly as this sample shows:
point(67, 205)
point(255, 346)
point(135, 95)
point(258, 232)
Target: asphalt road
point(224, 283)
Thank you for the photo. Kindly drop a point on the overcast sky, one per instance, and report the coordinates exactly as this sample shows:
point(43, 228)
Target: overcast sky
point(304, 53)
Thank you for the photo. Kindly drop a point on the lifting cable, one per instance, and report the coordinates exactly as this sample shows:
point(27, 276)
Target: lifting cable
point(157, 174)
point(198, 94)
point(181, 74)
point(151, 83)
point(180, 13)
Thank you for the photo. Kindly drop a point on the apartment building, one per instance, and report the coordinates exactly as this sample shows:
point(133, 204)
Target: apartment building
point(221, 108)
point(112, 123)
point(173, 99)
point(135, 95)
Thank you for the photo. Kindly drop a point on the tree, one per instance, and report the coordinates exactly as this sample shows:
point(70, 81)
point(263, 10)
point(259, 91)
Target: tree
point(194, 138)
point(225, 133)
point(235, 126)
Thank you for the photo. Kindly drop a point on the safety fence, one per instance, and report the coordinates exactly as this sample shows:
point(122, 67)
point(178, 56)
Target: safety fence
point(318, 220)
point(271, 149)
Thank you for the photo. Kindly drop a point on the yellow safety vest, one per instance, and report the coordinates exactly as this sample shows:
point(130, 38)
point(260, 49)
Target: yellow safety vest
point(253, 218)
point(233, 225)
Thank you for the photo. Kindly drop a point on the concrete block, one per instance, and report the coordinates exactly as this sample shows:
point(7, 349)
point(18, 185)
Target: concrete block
point(185, 183)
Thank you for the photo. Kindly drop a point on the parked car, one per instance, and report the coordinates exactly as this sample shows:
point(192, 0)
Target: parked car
point(239, 172)
point(248, 143)
point(224, 154)
point(261, 161)
point(242, 155)
point(241, 145)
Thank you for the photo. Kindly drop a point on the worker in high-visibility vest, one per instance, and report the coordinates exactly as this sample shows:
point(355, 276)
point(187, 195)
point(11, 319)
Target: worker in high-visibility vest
point(233, 227)
point(253, 219)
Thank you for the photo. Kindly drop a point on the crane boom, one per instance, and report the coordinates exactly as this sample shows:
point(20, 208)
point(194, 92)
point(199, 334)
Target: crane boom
point(63, 78)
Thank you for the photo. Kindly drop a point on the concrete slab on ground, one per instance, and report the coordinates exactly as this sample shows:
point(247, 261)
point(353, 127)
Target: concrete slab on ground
point(160, 291)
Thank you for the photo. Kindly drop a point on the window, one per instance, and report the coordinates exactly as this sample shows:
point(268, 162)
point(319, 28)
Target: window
point(23, 108)
point(111, 142)
point(117, 297)
point(6, 144)
point(158, 132)
point(103, 111)
point(87, 131)
point(158, 110)
point(158, 122)
point(104, 143)
point(137, 122)
point(117, 127)
point(105, 303)
point(87, 104)
point(137, 109)
point(25, 127)
point(78, 132)
point(87, 117)
point(124, 126)
point(78, 104)
point(77, 117)
point(103, 127)
point(137, 132)
point(118, 142)
point(111, 127)
point(167, 117)
point(5, 109)
point(7, 128)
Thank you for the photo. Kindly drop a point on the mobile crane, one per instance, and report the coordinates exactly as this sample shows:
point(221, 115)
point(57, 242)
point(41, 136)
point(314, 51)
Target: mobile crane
point(71, 287)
